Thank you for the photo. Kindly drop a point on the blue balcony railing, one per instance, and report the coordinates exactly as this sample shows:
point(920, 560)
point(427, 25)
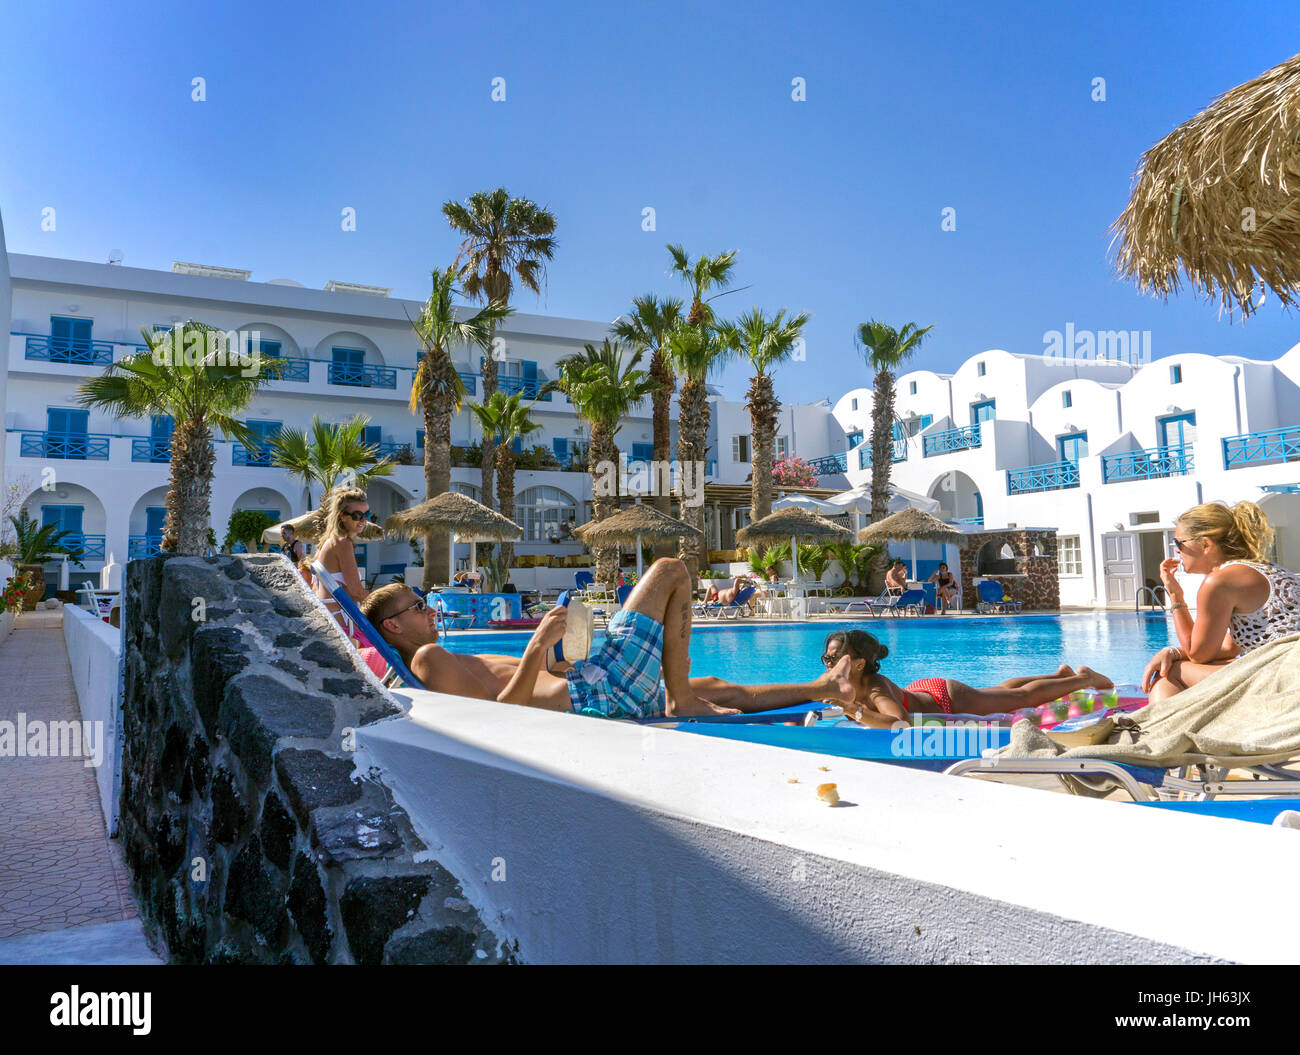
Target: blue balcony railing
point(393, 450)
point(69, 350)
point(358, 375)
point(971, 521)
point(528, 386)
point(295, 369)
point(1151, 463)
point(864, 453)
point(73, 446)
point(149, 449)
point(1050, 476)
point(257, 456)
point(141, 546)
point(832, 463)
point(1256, 448)
point(470, 380)
point(949, 440)
point(91, 546)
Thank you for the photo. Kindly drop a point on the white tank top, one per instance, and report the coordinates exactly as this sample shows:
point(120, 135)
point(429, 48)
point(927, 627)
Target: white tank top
point(1277, 617)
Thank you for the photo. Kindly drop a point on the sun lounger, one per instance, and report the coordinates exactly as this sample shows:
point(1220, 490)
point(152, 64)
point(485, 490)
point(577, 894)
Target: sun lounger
point(800, 712)
point(994, 598)
point(909, 602)
point(396, 666)
point(737, 609)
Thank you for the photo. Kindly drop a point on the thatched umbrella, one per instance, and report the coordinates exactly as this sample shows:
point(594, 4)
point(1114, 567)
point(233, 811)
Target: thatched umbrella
point(1217, 197)
point(631, 525)
point(792, 524)
point(464, 518)
point(911, 524)
point(308, 526)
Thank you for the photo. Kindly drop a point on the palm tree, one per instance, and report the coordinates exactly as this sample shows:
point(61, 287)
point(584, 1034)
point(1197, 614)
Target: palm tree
point(503, 418)
point(438, 391)
point(327, 453)
point(201, 385)
point(766, 343)
point(695, 351)
point(705, 274)
point(506, 240)
point(603, 390)
point(884, 349)
point(647, 330)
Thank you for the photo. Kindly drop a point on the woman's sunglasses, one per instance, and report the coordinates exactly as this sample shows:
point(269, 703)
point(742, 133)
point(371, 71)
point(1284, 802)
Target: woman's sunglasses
point(357, 516)
point(830, 660)
point(1181, 543)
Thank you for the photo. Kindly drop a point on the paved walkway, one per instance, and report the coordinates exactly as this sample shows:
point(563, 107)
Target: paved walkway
point(58, 868)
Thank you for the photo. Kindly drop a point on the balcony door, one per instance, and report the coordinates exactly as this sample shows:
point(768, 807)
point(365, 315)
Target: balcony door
point(154, 517)
point(981, 412)
point(1176, 430)
point(1119, 552)
point(70, 339)
point(64, 518)
point(67, 430)
point(1072, 448)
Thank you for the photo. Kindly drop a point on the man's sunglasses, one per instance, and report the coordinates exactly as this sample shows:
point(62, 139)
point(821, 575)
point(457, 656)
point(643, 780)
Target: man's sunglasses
point(419, 606)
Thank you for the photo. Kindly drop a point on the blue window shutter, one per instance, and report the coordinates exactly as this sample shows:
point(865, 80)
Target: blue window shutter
point(264, 430)
point(530, 370)
point(373, 434)
point(561, 448)
point(67, 422)
point(349, 356)
point(518, 445)
point(154, 516)
point(643, 452)
point(927, 420)
point(419, 437)
point(64, 518)
point(161, 426)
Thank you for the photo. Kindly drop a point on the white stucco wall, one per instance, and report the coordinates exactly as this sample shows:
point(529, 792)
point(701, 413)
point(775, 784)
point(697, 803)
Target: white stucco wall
point(94, 653)
point(615, 843)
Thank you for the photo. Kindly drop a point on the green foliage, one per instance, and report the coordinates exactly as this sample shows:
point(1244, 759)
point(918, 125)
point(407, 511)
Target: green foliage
point(496, 573)
point(600, 385)
point(503, 417)
point(327, 453)
point(246, 526)
point(439, 331)
point(886, 348)
point(34, 544)
point(814, 556)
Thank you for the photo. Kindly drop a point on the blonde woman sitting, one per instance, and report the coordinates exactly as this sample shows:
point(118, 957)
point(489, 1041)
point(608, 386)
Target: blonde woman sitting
point(345, 511)
point(1245, 601)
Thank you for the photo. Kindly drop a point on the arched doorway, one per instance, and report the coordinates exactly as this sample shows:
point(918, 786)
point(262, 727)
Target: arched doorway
point(958, 497)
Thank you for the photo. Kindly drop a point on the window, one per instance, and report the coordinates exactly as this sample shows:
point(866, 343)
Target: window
point(69, 338)
point(419, 438)
point(372, 435)
point(541, 510)
point(1066, 401)
point(642, 452)
point(911, 388)
point(469, 490)
point(855, 404)
point(64, 518)
point(855, 437)
point(740, 448)
point(1069, 555)
point(1072, 447)
point(1176, 430)
point(1176, 374)
point(348, 366)
point(985, 411)
point(783, 446)
point(980, 369)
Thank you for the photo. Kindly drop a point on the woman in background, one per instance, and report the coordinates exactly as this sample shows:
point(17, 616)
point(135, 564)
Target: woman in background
point(345, 511)
point(945, 586)
point(1245, 601)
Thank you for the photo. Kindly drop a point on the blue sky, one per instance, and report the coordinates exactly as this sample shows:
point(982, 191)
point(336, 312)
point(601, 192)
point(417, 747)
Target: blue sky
point(834, 203)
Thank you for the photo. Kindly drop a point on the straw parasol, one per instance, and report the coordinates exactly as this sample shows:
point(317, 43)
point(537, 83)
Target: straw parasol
point(466, 519)
point(910, 525)
point(1217, 197)
point(631, 525)
point(792, 524)
point(308, 526)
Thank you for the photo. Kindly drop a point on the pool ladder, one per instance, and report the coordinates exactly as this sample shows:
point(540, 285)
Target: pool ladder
point(1157, 595)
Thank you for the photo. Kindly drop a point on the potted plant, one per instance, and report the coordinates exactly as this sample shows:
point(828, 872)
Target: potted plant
point(33, 546)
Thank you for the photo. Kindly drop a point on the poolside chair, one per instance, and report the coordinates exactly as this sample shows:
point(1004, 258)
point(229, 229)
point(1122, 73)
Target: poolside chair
point(583, 579)
point(994, 598)
point(909, 602)
point(397, 669)
point(737, 609)
point(620, 596)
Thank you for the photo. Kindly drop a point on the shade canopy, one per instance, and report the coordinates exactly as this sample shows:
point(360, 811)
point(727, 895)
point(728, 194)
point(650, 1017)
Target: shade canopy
point(633, 523)
point(910, 524)
point(812, 505)
point(858, 500)
point(1217, 199)
point(783, 524)
point(453, 511)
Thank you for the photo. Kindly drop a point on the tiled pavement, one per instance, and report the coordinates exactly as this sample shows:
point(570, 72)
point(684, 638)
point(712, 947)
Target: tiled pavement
point(58, 868)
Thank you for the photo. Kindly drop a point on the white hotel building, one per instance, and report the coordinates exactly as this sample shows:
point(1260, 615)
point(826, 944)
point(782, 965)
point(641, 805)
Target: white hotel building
point(352, 351)
point(1106, 454)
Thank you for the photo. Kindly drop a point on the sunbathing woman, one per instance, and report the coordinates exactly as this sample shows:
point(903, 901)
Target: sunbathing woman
point(1245, 601)
point(881, 703)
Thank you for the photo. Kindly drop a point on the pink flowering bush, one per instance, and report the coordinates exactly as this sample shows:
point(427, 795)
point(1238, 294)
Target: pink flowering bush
point(794, 472)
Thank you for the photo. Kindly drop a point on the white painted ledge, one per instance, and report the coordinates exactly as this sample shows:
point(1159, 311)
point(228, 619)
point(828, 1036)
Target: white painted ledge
point(630, 844)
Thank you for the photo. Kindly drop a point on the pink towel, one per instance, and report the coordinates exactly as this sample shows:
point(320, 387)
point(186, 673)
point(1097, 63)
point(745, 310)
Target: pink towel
point(374, 661)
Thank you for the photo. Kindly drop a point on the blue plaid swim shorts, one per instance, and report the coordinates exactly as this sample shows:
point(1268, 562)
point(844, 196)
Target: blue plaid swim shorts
point(621, 679)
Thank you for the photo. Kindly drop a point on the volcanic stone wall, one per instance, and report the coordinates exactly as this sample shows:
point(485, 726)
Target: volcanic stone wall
point(1041, 586)
point(249, 834)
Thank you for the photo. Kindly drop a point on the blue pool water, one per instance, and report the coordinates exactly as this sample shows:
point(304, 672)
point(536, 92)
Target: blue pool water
point(980, 652)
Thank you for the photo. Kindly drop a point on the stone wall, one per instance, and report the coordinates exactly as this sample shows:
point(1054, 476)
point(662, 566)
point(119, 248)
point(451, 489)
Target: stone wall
point(249, 834)
point(1040, 587)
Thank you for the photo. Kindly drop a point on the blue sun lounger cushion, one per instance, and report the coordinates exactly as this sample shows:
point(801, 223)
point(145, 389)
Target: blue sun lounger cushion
point(395, 663)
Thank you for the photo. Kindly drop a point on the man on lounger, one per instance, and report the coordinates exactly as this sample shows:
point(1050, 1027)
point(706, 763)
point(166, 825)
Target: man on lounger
point(648, 640)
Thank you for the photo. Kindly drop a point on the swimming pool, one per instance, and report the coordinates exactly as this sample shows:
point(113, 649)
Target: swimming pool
point(980, 652)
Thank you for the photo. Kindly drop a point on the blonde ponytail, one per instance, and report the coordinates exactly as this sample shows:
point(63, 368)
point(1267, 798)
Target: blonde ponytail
point(1241, 531)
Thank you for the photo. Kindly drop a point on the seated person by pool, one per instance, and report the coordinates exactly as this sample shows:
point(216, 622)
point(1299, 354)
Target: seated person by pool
point(878, 702)
point(640, 670)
